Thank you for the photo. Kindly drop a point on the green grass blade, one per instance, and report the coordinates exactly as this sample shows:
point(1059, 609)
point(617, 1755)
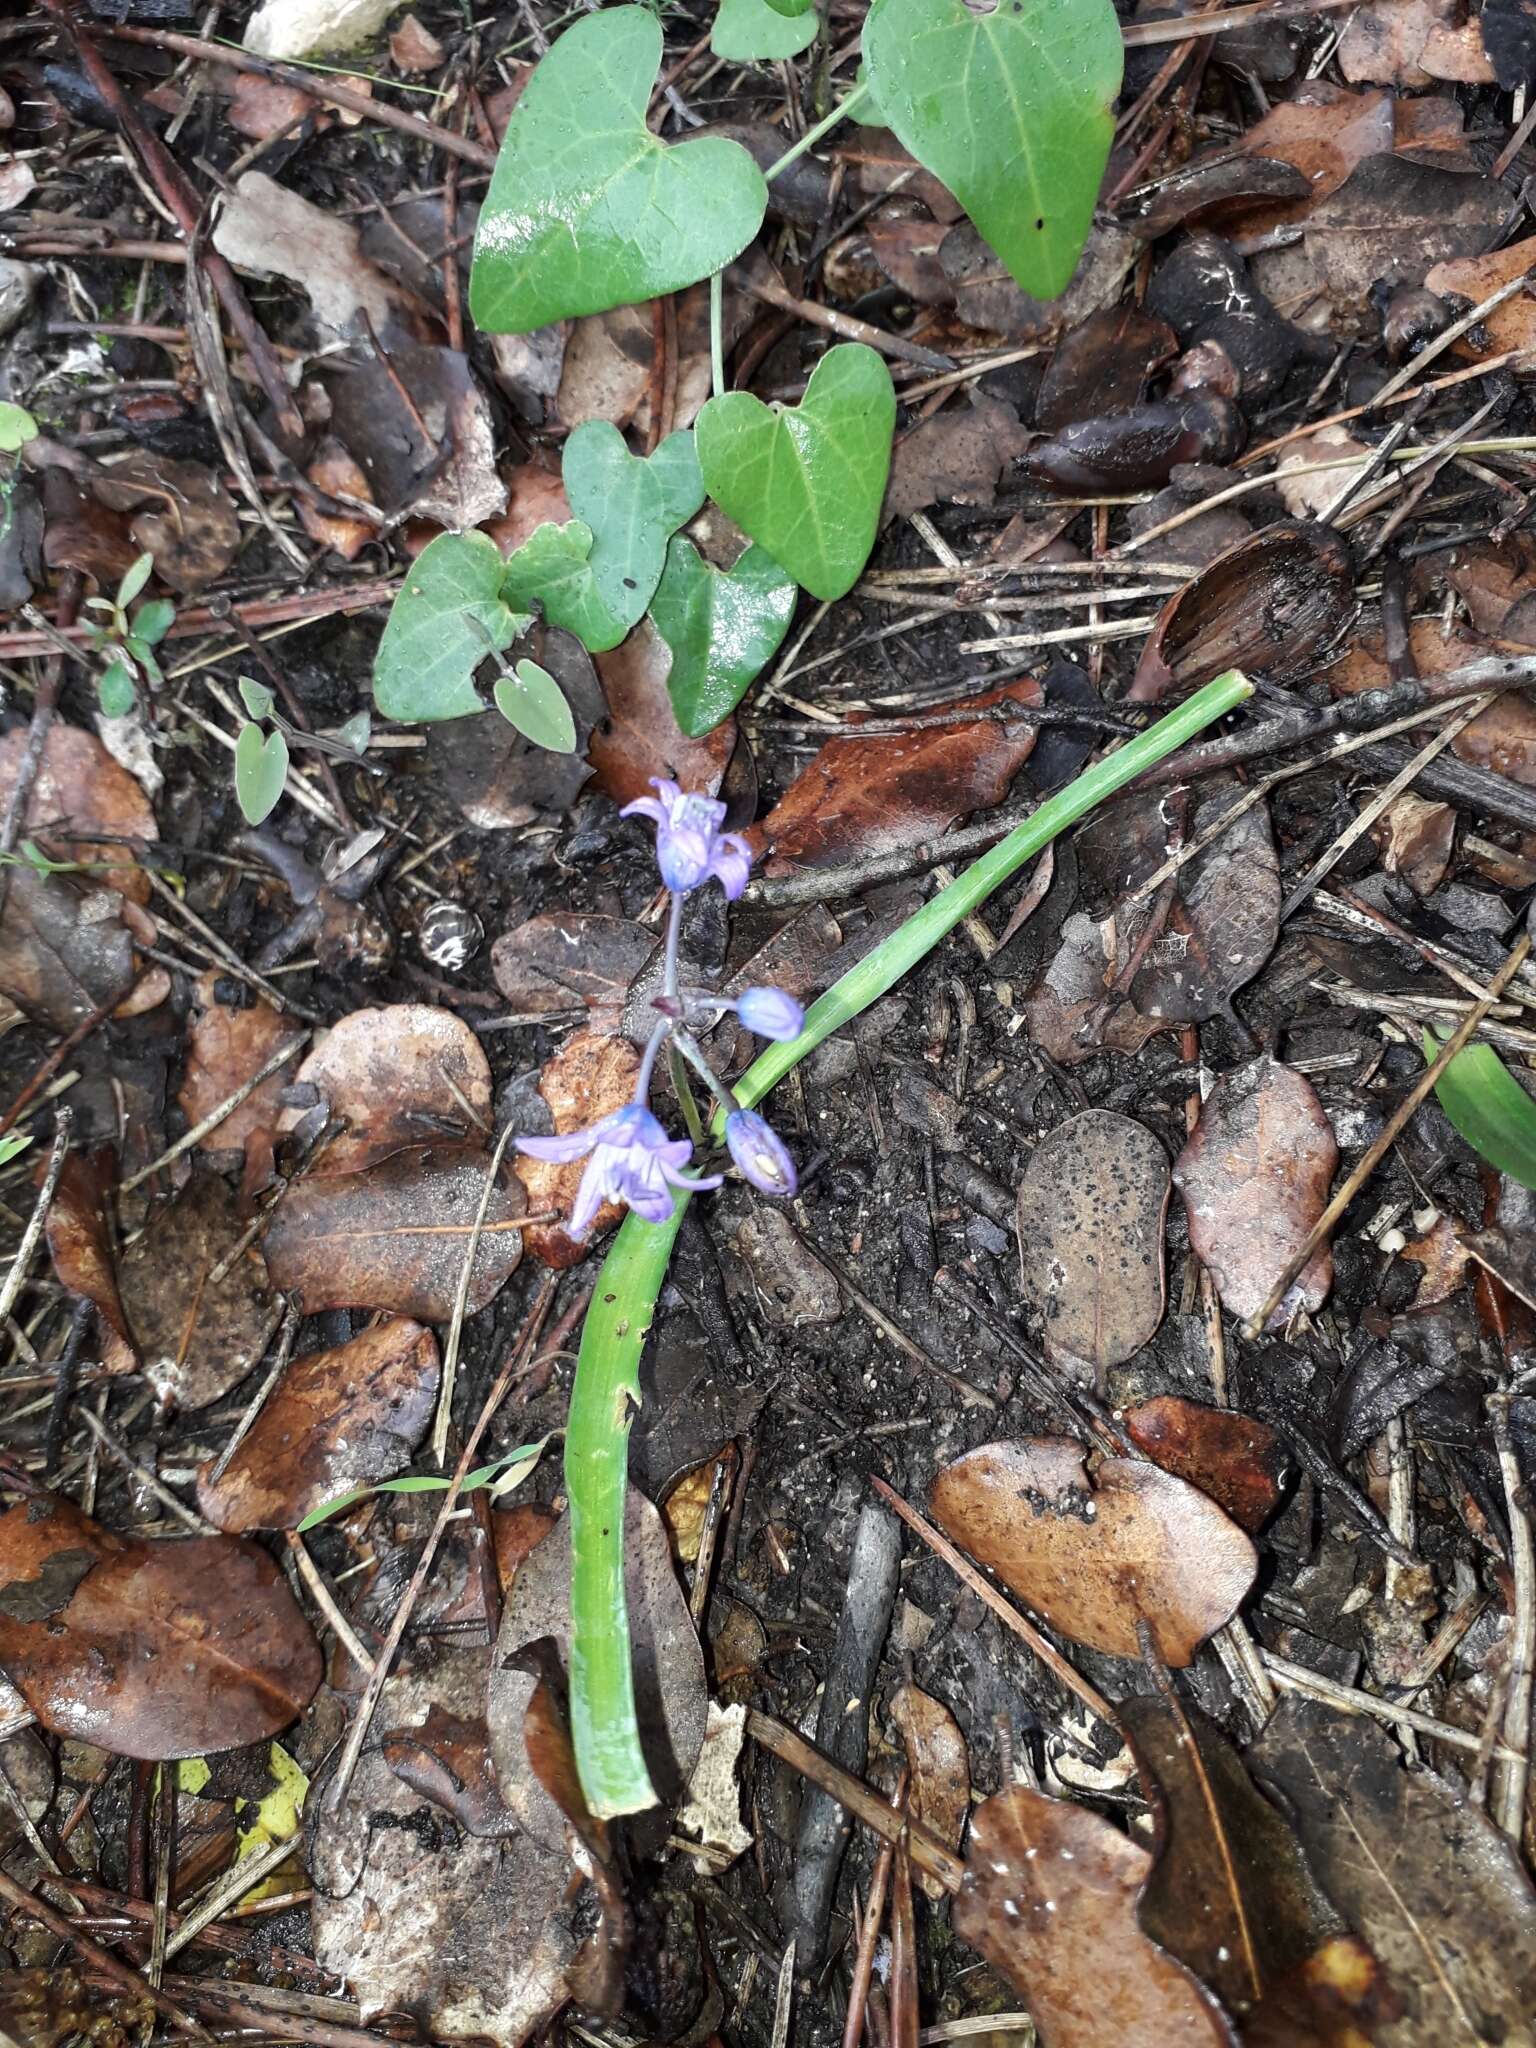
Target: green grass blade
point(1489, 1108)
point(606, 1389)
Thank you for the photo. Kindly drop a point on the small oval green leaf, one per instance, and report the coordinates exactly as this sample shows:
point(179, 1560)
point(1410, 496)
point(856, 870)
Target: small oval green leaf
point(261, 769)
point(531, 700)
point(256, 697)
point(135, 576)
point(115, 692)
point(152, 621)
point(760, 31)
point(17, 427)
point(1489, 1108)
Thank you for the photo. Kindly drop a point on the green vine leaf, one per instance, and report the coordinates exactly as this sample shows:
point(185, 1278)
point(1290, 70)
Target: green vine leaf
point(587, 209)
point(721, 625)
point(791, 7)
point(1011, 110)
point(449, 614)
point(17, 425)
point(553, 569)
point(806, 481)
point(1489, 1108)
point(530, 700)
point(757, 31)
point(261, 769)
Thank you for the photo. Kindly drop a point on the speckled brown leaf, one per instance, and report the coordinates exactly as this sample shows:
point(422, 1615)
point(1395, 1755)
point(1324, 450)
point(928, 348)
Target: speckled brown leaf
point(1272, 604)
point(1094, 1558)
point(464, 1932)
point(64, 948)
point(181, 515)
point(396, 1237)
point(81, 1245)
point(1255, 1177)
point(570, 960)
point(408, 1074)
point(590, 1076)
point(197, 1336)
point(939, 1784)
point(148, 1649)
point(877, 795)
point(226, 1044)
point(1075, 1009)
point(336, 1420)
point(1050, 1900)
point(1223, 921)
point(642, 738)
point(82, 805)
point(1237, 1460)
point(670, 1693)
point(1418, 1871)
point(1090, 1217)
point(1231, 1894)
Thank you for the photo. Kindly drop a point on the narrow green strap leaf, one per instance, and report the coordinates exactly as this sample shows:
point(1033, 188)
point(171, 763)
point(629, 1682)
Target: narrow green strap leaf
point(1489, 1108)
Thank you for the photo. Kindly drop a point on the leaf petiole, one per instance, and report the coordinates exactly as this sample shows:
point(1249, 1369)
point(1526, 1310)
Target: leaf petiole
point(843, 111)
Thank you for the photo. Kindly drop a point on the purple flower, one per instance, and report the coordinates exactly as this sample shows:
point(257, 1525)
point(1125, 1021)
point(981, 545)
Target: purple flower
point(690, 847)
point(633, 1160)
point(770, 1013)
point(760, 1152)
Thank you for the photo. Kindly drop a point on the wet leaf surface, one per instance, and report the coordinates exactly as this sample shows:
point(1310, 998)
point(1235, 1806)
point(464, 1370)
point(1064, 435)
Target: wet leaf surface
point(1255, 1176)
point(939, 1790)
point(396, 1236)
point(336, 1420)
point(642, 737)
point(83, 806)
point(448, 1761)
point(148, 1649)
point(1135, 1544)
point(1090, 1219)
point(64, 948)
point(402, 1075)
point(226, 1044)
point(1236, 1459)
point(1050, 1900)
point(197, 1331)
point(1420, 1873)
point(1103, 366)
point(556, 964)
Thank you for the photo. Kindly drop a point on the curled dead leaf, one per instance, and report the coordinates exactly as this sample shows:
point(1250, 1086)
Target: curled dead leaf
point(81, 1244)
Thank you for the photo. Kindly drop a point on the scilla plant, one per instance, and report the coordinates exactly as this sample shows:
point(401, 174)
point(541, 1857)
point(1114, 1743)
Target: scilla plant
point(589, 210)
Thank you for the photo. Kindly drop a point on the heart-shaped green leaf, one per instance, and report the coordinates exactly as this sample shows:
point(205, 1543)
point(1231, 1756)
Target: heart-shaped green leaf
point(447, 617)
point(531, 700)
point(17, 425)
point(261, 769)
point(721, 626)
point(806, 481)
point(553, 569)
point(259, 701)
point(587, 209)
point(1011, 110)
point(754, 31)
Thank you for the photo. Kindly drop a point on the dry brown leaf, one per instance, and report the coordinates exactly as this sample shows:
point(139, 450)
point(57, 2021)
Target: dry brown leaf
point(1393, 218)
point(414, 49)
point(226, 1044)
point(1443, 1257)
point(83, 806)
point(1091, 1207)
point(1310, 497)
point(260, 108)
point(1050, 1900)
point(1502, 738)
point(606, 369)
point(1103, 366)
point(1255, 1176)
point(1417, 839)
point(1410, 43)
point(1323, 133)
point(1237, 1460)
point(591, 1075)
point(407, 1074)
point(955, 458)
point(181, 515)
point(396, 1235)
point(64, 947)
point(1095, 1558)
point(939, 1768)
point(81, 1245)
point(557, 963)
point(1512, 325)
point(336, 1420)
point(335, 472)
point(152, 1650)
point(642, 738)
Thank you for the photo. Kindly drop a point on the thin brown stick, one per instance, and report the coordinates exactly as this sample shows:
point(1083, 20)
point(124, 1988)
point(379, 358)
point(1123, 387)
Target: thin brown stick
point(1009, 1615)
point(864, 1962)
point(1511, 1778)
point(102, 1960)
point(1372, 1157)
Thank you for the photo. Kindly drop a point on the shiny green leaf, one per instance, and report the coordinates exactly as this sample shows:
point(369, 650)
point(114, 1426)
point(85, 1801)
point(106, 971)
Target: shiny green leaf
point(115, 692)
point(135, 576)
point(757, 31)
point(447, 616)
point(806, 481)
point(258, 700)
point(587, 209)
point(1011, 110)
point(630, 505)
point(12, 1143)
point(531, 700)
point(791, 7)
point(1489, 1108)
point(154, 620)
point(261, 769)
point(17, 427)
point(721, 625)
point(553, 569)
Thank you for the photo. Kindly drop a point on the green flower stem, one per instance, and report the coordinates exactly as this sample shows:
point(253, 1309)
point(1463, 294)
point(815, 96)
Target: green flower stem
point(843, 111)
point(606, 1389)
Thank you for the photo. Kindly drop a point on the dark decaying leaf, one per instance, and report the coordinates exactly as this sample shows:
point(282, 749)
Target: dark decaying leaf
point(562, 962)
point(465, 1932)
point(148, 1649)
point(448, 1760)
point(670, 1694)
point(939, 1780)
point(80, 1243)
point(1419, 1872)
point(1125, 451)
point(589, 1077)
point(1103, 366)
point(404, 1075)
point(396, 1236)
point(642, 738)
point(182, 516)
point(1049, 1899)
point(1269, 606)
point(1393, 219)
point(226, 1044)
point(1097, 1557)
point(955, 458)
point(1237, 1460)
point(1231, 1894)
point(877, 795)
point(1508, 29)
point(197, 1336)
point(1212, 190)
point(336, 1420)
point(1090, 1218)
point(1255, 1177)
point(498, 779)
point(1078, 1007)
point(64, 948)
point(1381, 1382)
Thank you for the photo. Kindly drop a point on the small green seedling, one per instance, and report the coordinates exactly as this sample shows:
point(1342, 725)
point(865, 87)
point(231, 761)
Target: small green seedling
point(261, 759)
point(11, 1144)
point(1489, 1108)
point(129, 643)
point(761, 31)
point(530, 700)
point(500, 1475)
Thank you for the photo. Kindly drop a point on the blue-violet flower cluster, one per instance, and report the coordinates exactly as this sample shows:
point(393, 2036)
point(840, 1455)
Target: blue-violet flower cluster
point(630, 1158)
